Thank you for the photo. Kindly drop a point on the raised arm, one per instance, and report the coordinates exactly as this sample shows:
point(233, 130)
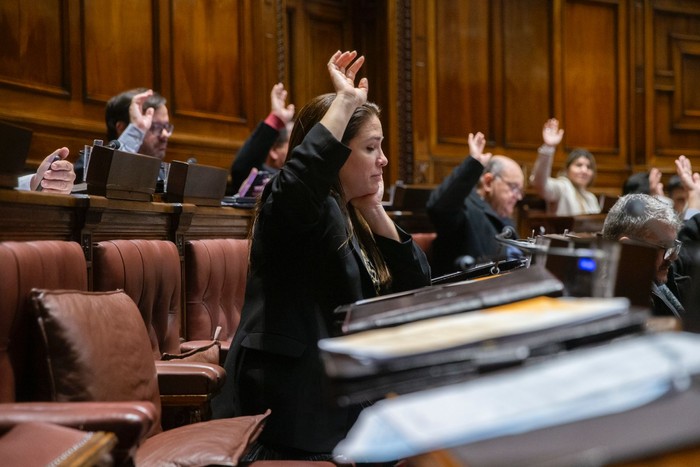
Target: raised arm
point(656, 188)
point(278, 104)
point(552, 136)
point(132, 137)
point(690, 180)
point(142, 120)
point(477, 143)
point(342, 71)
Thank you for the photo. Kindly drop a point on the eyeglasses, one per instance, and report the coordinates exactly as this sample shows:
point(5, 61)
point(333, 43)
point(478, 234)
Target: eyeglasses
point(514, 187)
point(157, 128)
point(669, 251)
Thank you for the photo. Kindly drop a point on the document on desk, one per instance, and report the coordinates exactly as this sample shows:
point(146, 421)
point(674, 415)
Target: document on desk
point(477, 326)
point(576, 385)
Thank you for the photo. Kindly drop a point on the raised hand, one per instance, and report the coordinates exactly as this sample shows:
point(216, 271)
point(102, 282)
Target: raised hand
point(477, 143)
point(137, 116)
point(551, 133)
point(278, 98)
point(656, 188)
point(690, 180)
point(343, 71)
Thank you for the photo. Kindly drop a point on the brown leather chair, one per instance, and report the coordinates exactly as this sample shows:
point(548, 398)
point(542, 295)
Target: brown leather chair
point(96, 349)
point(59, 446)
point(425, 241)
point(215, 279)
point(149, 271)
point(25, 394)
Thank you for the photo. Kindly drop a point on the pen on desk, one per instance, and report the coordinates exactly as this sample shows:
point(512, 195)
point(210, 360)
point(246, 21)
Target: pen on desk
point(55, 158)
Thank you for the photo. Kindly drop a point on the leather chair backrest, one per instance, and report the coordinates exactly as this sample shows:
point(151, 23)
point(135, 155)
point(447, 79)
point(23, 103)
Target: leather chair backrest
point(149, 272)
point(23, 266)
point(425, 241)
point(215, 279)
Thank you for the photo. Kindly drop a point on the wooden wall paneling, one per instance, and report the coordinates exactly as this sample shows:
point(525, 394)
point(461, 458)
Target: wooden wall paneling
point(319, 29)
point(33, 42)
point(269, 55)
point(120, 47)
point(370, 38)
point(210, 76)
point(595, 98)
point(457, 79)
point(461, 74)
point(672, 71)
point(423, 166)
point(38, 71)
point(394, 141)
point(637, 106)
point(208, 61)
point(528, 85)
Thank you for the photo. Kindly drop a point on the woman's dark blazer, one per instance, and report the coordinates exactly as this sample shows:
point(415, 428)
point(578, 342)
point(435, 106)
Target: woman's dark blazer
point(303, 267)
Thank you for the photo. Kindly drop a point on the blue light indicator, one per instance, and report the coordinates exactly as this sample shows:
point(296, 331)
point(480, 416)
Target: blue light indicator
point(587, 264)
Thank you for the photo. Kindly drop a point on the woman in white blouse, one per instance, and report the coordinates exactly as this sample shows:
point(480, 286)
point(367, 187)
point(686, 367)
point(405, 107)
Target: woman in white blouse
point(569, 191)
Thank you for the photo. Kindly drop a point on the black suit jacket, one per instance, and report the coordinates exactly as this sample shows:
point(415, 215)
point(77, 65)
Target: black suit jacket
point(465, 223)
point(302, 268)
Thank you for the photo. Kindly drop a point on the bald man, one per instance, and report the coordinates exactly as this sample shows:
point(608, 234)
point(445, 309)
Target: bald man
point(473, 204)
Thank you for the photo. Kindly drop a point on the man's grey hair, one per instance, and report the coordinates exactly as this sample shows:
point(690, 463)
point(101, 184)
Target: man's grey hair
point(494, 166)
point(632, 216)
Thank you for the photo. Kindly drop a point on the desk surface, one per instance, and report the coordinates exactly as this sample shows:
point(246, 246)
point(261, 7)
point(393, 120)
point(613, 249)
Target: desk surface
point(26, 215)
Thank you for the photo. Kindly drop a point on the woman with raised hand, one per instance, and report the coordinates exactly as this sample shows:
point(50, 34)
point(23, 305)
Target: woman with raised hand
point(569, 191)
point(320, 239)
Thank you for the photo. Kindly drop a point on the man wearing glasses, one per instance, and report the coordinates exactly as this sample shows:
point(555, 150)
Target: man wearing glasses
point(472, 205)
point(138, 119)
point(646, 220)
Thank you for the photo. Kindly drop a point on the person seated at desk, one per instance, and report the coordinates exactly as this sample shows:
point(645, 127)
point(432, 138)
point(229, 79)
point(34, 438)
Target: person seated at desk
point(568, 191)
point(54, 175)
point(473, 204)
point(138, 119)
point(646, 219)
point(321, 238)
point(266, 148)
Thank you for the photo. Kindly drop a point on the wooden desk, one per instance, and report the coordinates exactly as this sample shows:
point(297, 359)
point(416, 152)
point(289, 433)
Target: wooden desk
point(27, 215)
point(31, 215)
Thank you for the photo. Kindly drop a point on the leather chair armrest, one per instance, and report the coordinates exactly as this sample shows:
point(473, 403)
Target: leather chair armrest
point(129, 421)
point(177, 378)
point(190, 346)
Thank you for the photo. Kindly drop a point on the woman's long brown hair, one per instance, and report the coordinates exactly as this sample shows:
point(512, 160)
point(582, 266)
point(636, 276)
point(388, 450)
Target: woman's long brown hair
point(310, 115)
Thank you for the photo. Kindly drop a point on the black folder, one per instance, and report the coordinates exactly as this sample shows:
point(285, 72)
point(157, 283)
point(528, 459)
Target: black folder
point(440, 300)
point(359, 376)
point(489, 268)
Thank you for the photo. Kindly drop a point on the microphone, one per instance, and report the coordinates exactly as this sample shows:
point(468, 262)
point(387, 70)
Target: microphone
point(114, 144)
point(465, 262)
point(507, 232)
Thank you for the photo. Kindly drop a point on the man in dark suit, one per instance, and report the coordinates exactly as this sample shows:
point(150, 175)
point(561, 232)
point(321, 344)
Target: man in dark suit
point(473, 204)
